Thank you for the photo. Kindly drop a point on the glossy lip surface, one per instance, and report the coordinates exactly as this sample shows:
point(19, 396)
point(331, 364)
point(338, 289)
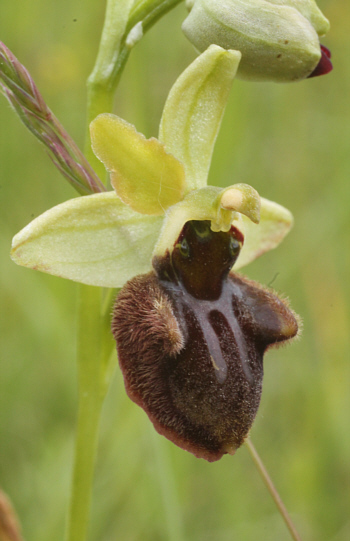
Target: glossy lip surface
point(193, 361)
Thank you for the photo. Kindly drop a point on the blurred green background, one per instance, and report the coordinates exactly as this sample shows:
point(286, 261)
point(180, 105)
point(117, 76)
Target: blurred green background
point(292, 143)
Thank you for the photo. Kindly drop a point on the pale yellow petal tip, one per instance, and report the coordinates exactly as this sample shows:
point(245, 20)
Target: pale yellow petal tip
point(101, 119)
point(237, 55)
point(244, 200)
point(20, 257)
point(106, 116)
point(254, 215)
point(232, 199)
point(230, 53)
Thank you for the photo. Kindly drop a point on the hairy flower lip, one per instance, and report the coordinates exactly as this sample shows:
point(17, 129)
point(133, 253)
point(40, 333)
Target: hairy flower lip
point(191, 353)
point(325, 65)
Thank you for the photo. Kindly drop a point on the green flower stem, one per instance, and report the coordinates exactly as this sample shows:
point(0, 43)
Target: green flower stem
point(172, 509)
point(100, 88)
point(113, 53)
point(95, 369)
point(85, 450)
point(149, 11)
point(94, 342)
point(272, 489)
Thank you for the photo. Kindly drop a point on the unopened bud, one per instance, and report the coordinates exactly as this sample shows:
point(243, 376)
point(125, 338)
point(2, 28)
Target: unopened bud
point(278, 39)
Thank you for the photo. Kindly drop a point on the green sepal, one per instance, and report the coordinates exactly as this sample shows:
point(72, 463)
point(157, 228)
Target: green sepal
point(96, 240)
point(275, 222)
point(193, 111)
point(144, 175)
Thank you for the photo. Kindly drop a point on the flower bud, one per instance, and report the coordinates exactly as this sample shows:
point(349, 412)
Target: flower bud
point(278, 39)
point(191, 338)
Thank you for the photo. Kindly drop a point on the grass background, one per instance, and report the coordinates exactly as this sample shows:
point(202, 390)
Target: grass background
point(291, 142)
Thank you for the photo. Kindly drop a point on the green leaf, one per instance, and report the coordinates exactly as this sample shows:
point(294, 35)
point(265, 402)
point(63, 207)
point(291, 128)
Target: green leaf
point(96, 240)
point(194, 109)
point(275, 222)
point(144, 175)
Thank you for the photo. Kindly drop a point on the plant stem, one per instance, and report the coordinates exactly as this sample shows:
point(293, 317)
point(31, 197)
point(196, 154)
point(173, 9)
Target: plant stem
point(100, 90)
point(168, 487)
point(94, 341)
point(272, 489)
point(94, 375)
point(112, 56)
point(85, 451)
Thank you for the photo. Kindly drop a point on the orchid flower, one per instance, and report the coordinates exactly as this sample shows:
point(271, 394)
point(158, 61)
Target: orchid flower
point(106, 238)
point(190, 334)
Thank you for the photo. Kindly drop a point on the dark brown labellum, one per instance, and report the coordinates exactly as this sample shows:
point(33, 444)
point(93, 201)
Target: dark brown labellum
point(191, 338)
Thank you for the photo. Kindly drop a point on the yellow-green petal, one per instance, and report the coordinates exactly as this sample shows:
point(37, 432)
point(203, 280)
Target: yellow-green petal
point(275, 222)
point(144, 175)
point(96, 240)
point(194, 109)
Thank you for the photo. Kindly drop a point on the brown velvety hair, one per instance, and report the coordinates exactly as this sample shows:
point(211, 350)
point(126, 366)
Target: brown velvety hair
point(194, 361)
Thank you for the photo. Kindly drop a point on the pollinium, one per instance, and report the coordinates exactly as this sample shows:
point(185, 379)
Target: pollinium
point(191, 337)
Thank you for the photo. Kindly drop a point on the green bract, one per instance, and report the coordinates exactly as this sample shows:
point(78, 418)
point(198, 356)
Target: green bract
point(105, 239)
point(278, 39)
